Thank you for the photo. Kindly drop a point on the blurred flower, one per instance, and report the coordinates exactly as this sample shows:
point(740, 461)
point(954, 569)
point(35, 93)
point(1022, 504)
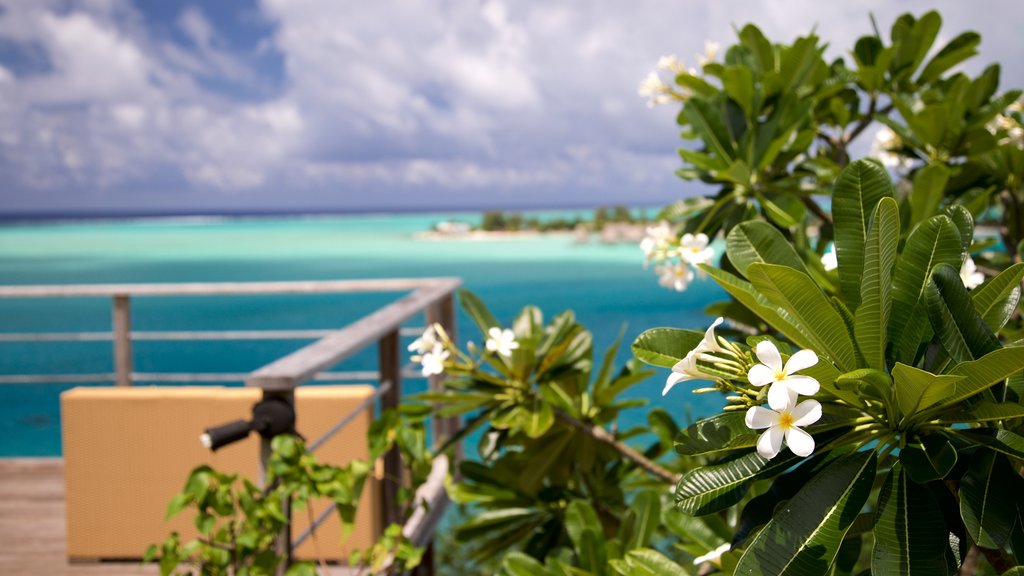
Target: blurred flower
point(1007, 127)
point(655, 89)
point(710, 51)
point(785, 384)
point(424, 343)
point(828, 259)
point(882, 148)
point(671, 63)
point(675, 276)
point(433, 361)
point(695, 250)
point(659, 243)
point(501, 341)
point(970, 275)
point(712, 556)
point(784, 423)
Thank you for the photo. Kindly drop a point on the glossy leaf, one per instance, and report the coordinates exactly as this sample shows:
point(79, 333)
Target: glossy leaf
point(1000, 440)
point(516, 563)
point(665, 346)
point(757, 241)
point(910, 533)
point(756, 302)
point(477, 311)
point(932, 459)
point(985, 491)
point(800, 300)
point(648, 562)
point(860, 187)
point(709, 124)
point(956, 51)
point(804, 537)
point(644, 515)
point(954, 320)
point(985, 411)
point(929, 184)
point(918, 389)
point(996, 300)
point(723, 431)
point(717, 486)
point(935, 241)
point(984, 372)
point(871, 322)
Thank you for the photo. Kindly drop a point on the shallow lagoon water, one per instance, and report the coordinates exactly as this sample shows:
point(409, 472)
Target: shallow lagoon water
point(606, 285)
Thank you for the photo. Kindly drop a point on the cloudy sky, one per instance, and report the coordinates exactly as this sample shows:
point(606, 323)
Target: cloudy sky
point(109, 105)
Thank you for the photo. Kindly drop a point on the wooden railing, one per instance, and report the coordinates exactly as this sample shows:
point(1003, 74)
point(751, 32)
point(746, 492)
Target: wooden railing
point(432, 297)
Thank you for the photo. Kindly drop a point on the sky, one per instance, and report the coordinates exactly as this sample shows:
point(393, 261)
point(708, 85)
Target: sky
point(249, 105)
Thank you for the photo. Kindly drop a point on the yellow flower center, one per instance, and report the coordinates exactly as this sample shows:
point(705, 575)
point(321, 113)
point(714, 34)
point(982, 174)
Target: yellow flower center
point(785, 421)
point(780, 375)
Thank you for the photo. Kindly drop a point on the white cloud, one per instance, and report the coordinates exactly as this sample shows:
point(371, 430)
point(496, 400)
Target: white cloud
point(536, 100)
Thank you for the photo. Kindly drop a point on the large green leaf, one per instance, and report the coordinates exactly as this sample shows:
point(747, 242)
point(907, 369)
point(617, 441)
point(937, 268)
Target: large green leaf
point(917, 389)
point(929, 184)
point(996, 300)
point(804, 537)
point(911, 41)
point(477, 310)
point(643, 518)
point(911, 538)
point(985, 492)
point(998, 439)
point(800, 300)
point(665, 346)
point(956, 51)
point(587, 535)
point(723, 431)
point(757, 241)
point(860, 187)
point(871, 322)
point(648, 562)
point(745, 293)
point(984, 411)
point(715, 487)
point(708, 123)
point(984, 372)
point(516, 563)
point(960, 328)
point(932, 459)
point(934, 241)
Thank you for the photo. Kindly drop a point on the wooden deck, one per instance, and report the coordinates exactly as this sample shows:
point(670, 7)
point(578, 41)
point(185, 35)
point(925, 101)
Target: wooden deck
point(32, 524)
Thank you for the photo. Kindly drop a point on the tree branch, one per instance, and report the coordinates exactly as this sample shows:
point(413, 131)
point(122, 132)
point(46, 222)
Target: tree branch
point(602, 435)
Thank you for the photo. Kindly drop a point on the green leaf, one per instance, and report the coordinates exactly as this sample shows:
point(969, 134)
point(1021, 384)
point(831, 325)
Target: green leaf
point(960, 328)
point(860, 187)
point(871, 322)
point(1000, 440)
point(917, 389)
point(475, 308)
point(956, 51)
point(720, 432)
point(929, 184)
point(745, 293)
point(932, 459)
point(997, 299)
point(757, 241)
point(715, 487)
point(645, 514)
point(682, 209)
point(985, 491)
point(804, 537)
point(910, 533)
point(985, 411)
point(800, 300)
point(647, 562)
point(665, 346)
point(738, 83)
point(538, 418)
point(516, 563)
point(708, 123)
point(935, 241)
point(911, 40)
point(984, 372)
point(177, 504)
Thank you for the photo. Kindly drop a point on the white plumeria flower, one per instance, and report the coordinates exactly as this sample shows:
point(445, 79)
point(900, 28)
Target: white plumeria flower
point(710, 51)
point(675, 276)
point(695, 250)
point(785, 423)
point(710, 342)
point(426, 342)
point(970, 275)
point(655, 89)
point(685, 369)
point(433, 361)
point(657, 244)
point(671, 63)
point(785, 384)
point(501, 341)
point(714, 556)
point(829, 260)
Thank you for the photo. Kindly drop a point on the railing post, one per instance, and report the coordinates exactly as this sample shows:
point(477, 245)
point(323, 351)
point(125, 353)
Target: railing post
point(122, 324)
point(283, 542)
point(390, 360)
point(443, 313)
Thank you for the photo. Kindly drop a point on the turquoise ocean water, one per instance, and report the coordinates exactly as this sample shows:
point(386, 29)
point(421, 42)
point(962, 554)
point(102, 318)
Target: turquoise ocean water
point(606, 285)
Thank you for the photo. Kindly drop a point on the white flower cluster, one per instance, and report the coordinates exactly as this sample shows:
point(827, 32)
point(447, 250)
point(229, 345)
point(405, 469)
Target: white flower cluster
point(429, 352)
point(657, 91)
point(882, 147)
point(662, 247)
point(785, 416)
point(1008, 126)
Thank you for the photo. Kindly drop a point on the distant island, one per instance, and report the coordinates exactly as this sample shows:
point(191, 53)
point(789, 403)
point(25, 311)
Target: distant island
point(611, 225)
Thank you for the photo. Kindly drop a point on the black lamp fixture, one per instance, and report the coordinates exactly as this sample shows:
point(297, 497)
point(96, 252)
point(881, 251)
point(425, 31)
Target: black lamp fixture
point(270, 417)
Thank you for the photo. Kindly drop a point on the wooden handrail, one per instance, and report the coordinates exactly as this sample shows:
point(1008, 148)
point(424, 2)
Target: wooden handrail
point(223, 288)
